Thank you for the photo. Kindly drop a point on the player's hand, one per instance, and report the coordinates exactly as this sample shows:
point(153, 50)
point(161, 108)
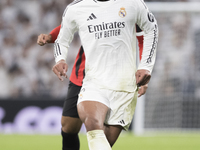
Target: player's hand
point(60, 69)
point(142, 90)
point(142, 77)
point(44, 39)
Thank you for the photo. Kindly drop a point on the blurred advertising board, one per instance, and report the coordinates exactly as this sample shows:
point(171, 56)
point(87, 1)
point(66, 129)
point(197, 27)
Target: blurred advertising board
point(31, 116)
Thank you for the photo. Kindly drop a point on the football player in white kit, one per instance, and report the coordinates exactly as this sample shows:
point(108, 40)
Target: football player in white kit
point(107, 31)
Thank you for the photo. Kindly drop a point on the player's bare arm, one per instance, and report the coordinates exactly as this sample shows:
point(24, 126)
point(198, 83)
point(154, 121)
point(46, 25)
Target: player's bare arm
point(142, 90)
point(142, 77)
point(44, 39)
point(60, 69)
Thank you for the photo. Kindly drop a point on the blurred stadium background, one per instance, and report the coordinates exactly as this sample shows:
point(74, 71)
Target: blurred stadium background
point(31, 96)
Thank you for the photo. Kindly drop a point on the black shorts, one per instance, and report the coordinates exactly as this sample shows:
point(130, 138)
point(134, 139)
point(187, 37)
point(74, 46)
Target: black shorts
point(70, 104)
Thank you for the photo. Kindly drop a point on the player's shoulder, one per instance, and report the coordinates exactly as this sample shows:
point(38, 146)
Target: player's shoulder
point(72, 7)
point(139, 2)
point(75, 3)
point(136, 3)
point(142, 3)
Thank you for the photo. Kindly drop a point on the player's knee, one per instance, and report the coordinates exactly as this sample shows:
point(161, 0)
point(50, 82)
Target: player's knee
point(70, 126)
point(93, 124)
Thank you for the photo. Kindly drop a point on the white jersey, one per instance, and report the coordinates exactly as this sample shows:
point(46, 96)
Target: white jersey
point(108, 36)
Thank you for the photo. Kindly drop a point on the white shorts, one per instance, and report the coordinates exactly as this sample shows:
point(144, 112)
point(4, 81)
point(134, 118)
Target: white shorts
point(121, 104)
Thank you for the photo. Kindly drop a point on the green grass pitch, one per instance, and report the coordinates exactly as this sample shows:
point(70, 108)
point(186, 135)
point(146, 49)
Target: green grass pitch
point(126, 141)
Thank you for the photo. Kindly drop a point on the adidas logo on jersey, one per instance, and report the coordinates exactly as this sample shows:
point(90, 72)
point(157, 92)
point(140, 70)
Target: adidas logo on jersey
point(92, 17)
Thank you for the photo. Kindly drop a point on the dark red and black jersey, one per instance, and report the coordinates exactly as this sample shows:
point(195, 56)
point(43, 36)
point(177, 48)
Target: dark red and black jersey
point(140, 39)
point(54, 33)
point(78, 71)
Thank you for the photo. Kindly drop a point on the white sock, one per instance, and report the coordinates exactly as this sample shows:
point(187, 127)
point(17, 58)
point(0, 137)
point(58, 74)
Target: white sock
point(97, 140)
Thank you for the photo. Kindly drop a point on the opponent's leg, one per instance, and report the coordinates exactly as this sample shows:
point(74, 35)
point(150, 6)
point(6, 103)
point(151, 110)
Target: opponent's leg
point(70, 124)
point(93, 114)
point(70, 121)
point(70, 128)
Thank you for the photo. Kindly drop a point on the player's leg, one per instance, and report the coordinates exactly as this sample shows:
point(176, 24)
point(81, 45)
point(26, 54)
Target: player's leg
point(71, 125)
point(92, 114)
point(120, 114)
point(70, 121)
point(112, 133)
point(70, 128)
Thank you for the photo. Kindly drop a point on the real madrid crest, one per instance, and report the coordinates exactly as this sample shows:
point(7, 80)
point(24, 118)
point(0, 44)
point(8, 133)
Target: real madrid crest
point(122, 12)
